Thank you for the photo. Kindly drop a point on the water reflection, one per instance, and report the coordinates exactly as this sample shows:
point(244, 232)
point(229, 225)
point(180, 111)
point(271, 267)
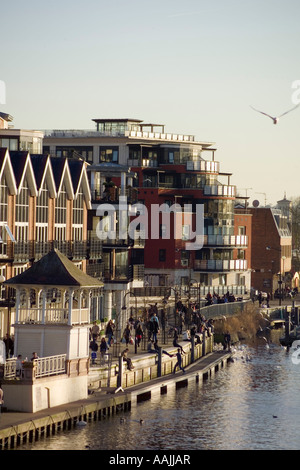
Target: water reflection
point(251, 404)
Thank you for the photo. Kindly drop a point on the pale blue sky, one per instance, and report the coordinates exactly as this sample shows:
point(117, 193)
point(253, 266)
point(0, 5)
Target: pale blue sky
point(194, 66)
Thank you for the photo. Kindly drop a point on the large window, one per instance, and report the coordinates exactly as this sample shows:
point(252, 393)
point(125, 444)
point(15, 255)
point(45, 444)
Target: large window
point(22, 212)
point(3, 199)
point(42, 216)
point(109, 155)
point(61, 215)
point(78, 206)
point(85, 152)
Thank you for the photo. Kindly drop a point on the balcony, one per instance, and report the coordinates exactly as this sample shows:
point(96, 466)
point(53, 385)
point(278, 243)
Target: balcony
point(226, 240)
point(112, 195)
point(220, 190)
point(203, 166)
point(34, 250)
point(220, 265)
point(53, 315)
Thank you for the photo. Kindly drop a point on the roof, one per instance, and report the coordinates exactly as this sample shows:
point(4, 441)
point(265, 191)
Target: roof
point(117, 120)
point(54, 269)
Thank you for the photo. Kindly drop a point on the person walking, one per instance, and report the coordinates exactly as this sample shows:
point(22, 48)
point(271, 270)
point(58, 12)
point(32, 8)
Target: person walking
point(109, 332)
point(94, 349)
point(179, 362)
point(154, 328)
point(1, 397)
point(95, 331)
point(103, 350)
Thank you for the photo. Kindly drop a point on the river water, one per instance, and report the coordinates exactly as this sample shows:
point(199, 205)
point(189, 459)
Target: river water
point(252, 404)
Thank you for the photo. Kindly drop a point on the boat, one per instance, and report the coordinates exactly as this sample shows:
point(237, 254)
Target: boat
point(288, 339)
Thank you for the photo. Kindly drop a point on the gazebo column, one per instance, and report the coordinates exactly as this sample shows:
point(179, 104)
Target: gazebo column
point(44, 295)
point(71, 291)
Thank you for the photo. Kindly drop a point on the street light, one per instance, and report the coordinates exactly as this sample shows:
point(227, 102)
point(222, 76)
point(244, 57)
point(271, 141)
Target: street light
point(125, 308)
point(280, 273)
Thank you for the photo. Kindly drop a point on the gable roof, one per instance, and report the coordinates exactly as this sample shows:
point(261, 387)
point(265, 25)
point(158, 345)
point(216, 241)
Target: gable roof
point(54, 269)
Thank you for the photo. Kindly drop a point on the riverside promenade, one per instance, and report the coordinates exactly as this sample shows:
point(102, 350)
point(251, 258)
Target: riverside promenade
point(17, 428)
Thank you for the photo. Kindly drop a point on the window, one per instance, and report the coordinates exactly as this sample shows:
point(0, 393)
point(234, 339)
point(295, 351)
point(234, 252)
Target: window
point(42, 216)
point(78, 205)
point(22, 212)
point(61, 215)
point(3, 199)
point(162, 255)
point(109, 155)
point(185, 232)
point(242, 230)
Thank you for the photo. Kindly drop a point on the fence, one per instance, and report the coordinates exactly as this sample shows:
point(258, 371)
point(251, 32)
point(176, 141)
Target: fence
point(45, 367)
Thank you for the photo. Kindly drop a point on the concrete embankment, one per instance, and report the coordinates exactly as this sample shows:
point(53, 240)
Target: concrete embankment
point(19, 428)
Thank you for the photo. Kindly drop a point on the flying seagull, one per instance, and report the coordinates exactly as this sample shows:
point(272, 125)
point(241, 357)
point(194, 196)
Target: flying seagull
point(275, 119)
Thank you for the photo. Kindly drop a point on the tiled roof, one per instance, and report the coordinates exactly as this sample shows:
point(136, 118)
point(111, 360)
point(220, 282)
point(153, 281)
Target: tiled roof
point(54, 269)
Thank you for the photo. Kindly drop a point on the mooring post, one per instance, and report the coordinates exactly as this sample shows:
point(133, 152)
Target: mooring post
point(159, 361)
point(120, 373)
point(193, 348)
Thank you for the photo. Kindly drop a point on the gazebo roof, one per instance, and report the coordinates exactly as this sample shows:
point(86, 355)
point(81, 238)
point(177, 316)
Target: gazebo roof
point(54, 270)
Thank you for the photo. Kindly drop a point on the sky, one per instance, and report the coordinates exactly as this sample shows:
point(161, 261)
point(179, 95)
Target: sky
point(195, 66)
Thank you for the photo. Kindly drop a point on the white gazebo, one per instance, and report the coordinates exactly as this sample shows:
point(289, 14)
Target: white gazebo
point(52, 318)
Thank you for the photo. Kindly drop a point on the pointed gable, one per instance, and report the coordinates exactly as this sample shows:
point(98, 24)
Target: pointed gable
point(43, 173)
point(7, 169)
point(22, 168)
point(61, 172)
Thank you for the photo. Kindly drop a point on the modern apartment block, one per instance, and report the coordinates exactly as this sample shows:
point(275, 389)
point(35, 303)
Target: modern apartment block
point(167, 176)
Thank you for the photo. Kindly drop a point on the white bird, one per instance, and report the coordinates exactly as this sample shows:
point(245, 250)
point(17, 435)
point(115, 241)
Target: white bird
point(275, 119)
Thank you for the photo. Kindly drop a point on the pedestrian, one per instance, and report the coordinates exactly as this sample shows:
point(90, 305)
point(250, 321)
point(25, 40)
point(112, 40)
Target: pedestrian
point(154, 326)
point(103, 350)
point(94, 349)
point(175, 341)
point(179, 362)
point(9, 346)
point(19, 366)
point(227, 341)
point(126, 334)
point(109, 332)
point(34, 356)
point(181, 323)
point(127, 359)
point(138, 334)
point(95, 331)
point(1, 397)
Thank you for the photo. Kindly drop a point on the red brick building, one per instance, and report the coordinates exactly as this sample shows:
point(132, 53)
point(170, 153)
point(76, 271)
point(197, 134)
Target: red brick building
point(271, 248)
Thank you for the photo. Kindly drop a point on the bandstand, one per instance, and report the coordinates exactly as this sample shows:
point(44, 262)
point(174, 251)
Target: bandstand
point(52, 318)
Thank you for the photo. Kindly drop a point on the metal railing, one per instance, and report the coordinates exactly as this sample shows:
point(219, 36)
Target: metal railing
point(52, 315)
point(45, 367)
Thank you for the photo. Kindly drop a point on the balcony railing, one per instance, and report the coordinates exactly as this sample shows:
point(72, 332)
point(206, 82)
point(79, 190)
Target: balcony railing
point(220, 190)
point(226, 240)
point(220, 265)
point(45, 367)
point(34, 250)
point(113, 194)
point(53, 316)
point(203, 165)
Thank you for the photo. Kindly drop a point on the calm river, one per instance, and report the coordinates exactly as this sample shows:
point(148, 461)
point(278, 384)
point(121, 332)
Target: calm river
point(252, 404)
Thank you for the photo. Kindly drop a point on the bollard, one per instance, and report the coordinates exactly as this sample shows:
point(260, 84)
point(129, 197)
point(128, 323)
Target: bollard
point(120, 373)
point(159, 361)
point(193, 349)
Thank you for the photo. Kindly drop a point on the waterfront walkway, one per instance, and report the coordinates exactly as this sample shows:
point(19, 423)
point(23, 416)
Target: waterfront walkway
point(16, 425)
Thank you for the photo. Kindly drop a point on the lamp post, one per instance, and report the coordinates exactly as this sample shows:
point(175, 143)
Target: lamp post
point(125, 308)
point(280, 271)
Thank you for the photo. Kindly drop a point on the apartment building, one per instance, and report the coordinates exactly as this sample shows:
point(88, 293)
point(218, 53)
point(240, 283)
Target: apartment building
point(44, 204)
point(271, 251)
point(168, 176)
